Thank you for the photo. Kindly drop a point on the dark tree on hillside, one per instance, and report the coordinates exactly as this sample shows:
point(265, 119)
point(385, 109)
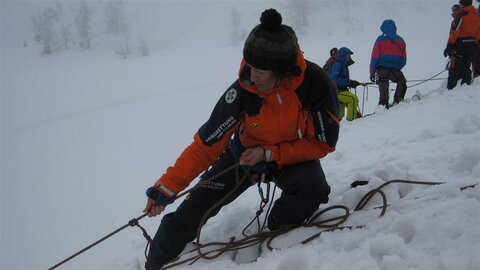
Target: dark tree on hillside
point(113, 16)
point(63, 25)
point(83, 21)
point(51, 28)
point(124, 48)
point(66, 35)
point(142, 48)
point(43, 31)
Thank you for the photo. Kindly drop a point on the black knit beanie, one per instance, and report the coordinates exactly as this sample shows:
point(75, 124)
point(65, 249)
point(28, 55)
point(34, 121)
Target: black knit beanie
point(271, 45)
point(465, 2)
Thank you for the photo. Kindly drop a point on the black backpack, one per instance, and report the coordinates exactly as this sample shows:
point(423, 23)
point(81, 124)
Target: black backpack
point(328, 65)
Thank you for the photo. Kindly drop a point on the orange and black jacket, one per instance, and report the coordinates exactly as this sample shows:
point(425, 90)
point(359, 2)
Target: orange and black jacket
point(465, 30)
point(296, 122)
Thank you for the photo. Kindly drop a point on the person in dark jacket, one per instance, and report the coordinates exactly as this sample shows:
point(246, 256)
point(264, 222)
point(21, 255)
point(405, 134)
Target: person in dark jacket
point(476, 58)
point(341, 76)
point(461, 44)
point(389, 56)
point(283, 114)
point(329, 63)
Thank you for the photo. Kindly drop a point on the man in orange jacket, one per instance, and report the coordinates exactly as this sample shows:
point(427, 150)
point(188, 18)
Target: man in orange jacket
point(476, 58)
point(283, 115)
point(461, 44)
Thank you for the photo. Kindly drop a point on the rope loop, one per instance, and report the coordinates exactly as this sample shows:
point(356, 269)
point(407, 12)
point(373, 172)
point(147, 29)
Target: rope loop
point(328, 225)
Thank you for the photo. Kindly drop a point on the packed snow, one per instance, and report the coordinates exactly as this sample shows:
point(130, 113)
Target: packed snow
point(84, 133)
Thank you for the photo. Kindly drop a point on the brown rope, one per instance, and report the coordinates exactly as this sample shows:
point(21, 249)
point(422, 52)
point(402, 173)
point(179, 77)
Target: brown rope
point(215, 206)
point(325, 224)
point(259, 237)
point(133, 222)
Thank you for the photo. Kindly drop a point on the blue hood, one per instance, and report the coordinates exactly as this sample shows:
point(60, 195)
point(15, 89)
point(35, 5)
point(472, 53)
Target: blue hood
point(343, 53)
point(389, 28)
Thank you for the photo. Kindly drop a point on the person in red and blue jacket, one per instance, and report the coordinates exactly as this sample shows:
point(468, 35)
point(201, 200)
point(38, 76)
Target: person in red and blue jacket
point(277, 119)
point(389, 56)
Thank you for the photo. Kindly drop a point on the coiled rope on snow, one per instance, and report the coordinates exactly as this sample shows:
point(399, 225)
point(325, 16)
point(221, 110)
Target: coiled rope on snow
point(327, 225)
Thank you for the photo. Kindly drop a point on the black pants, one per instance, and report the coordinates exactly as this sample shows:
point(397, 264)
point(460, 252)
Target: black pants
point(303, 185)
point(476, 62)
point(460, 69)
point(385, 75)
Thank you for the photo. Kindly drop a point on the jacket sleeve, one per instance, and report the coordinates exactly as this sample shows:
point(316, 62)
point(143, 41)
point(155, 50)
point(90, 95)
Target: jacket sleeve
point(374, 58)
point(208, 144)
point(320, 140)
point(322, 123)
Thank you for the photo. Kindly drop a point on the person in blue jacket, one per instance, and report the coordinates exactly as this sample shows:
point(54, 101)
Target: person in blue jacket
point(341, 76)
point(389, 56)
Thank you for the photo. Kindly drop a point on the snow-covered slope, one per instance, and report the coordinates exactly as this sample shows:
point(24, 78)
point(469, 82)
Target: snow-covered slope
point(83, 134)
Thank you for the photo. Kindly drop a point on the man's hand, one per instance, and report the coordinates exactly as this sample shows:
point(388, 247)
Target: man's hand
point(353, 84)
point(153, 209)
point(448, 50)
point(156, 202)
point(252, 156)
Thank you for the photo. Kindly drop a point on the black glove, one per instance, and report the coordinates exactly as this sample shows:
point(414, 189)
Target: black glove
point(158, 196)
point(448, 50)
point(353, 84)
point(372, 78)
